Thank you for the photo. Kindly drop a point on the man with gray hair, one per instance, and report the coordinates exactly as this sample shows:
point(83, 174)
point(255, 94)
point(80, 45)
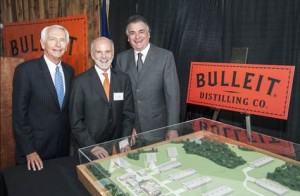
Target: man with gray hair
point(41, 92)
point(154, 80)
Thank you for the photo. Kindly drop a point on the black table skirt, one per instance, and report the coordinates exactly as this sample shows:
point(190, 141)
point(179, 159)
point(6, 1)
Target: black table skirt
point(57, 178)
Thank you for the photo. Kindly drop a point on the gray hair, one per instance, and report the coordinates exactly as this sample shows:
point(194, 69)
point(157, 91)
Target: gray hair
point(111, 41)
point(46, 29)
point(136, 19)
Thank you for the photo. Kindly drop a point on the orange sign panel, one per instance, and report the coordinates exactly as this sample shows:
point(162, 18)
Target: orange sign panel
point(22, 39)
point(248, 88)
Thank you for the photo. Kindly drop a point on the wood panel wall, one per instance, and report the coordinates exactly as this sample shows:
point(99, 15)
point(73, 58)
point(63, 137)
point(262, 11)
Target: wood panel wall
point(7, 140)
point(30, 10)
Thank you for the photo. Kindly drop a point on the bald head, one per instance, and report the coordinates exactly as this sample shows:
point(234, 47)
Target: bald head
point(102, 40)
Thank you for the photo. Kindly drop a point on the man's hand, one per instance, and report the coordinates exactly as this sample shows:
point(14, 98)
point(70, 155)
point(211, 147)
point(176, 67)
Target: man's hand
point(124, 145)
point(34, 161)
point(171, 134)
point(133, 137)
point(99, 152)
point(125, 149)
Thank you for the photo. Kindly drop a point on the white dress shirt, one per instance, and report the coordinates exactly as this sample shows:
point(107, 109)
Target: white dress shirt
point(52, 69)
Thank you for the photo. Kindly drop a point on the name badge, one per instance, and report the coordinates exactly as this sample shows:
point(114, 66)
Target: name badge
point(118, 96)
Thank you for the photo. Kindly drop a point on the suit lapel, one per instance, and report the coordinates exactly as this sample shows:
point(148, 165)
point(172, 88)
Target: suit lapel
point(132, 64)
point(96, 84)
point(68, 79)
point(150, 58)
point(46, 78)
point(115, 82)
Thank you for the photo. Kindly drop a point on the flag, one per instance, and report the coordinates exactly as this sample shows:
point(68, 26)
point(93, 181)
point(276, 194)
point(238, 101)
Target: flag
point(104, 24)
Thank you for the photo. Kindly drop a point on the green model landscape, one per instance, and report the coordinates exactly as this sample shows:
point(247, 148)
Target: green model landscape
point(223, 163)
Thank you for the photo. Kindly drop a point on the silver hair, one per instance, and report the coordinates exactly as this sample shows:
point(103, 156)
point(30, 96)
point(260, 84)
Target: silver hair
point(46, 29)
point(111, 41)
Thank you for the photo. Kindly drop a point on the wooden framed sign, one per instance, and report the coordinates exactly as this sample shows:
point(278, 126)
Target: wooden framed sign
point(22, 39)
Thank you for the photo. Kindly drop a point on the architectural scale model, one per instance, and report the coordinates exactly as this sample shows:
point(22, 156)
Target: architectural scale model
point(192, 167)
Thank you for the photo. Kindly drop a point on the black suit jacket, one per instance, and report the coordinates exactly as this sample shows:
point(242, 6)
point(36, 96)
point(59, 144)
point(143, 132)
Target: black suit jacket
point(39, 123)
point(93, 118)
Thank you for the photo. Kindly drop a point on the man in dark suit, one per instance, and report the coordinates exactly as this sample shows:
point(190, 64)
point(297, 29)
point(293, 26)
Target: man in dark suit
point(95, 116)
point(40, 112)
point(155, 85)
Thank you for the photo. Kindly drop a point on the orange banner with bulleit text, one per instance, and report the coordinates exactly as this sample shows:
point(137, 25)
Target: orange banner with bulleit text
point(248, 88)
point(22, 39)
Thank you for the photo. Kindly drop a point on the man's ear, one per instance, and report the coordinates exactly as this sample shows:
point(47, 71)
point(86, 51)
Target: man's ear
point(42, 44)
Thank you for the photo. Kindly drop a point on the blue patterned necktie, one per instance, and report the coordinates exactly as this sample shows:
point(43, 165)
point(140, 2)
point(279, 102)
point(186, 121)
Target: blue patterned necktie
point(59, 86)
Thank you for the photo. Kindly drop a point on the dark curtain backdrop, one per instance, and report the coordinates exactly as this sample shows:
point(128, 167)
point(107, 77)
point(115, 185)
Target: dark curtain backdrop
point(207, 30)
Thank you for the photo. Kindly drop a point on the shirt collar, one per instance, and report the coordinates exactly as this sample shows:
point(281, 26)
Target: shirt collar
point(50, 63)
point(100, 71)
point(52, 66)
point(144, 52)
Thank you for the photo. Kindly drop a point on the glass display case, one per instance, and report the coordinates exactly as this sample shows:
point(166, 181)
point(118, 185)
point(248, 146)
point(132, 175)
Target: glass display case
point(208, 158)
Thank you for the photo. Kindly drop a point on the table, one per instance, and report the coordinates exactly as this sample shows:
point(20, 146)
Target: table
point(57, 178)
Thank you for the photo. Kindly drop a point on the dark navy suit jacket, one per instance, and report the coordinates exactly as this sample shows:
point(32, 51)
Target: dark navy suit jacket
point(39, 123)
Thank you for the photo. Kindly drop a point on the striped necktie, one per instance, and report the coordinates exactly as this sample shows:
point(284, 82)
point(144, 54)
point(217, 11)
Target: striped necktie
point(59, 86)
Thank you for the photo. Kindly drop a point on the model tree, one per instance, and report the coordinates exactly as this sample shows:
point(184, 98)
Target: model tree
point(287, 175)
point(215, 151)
